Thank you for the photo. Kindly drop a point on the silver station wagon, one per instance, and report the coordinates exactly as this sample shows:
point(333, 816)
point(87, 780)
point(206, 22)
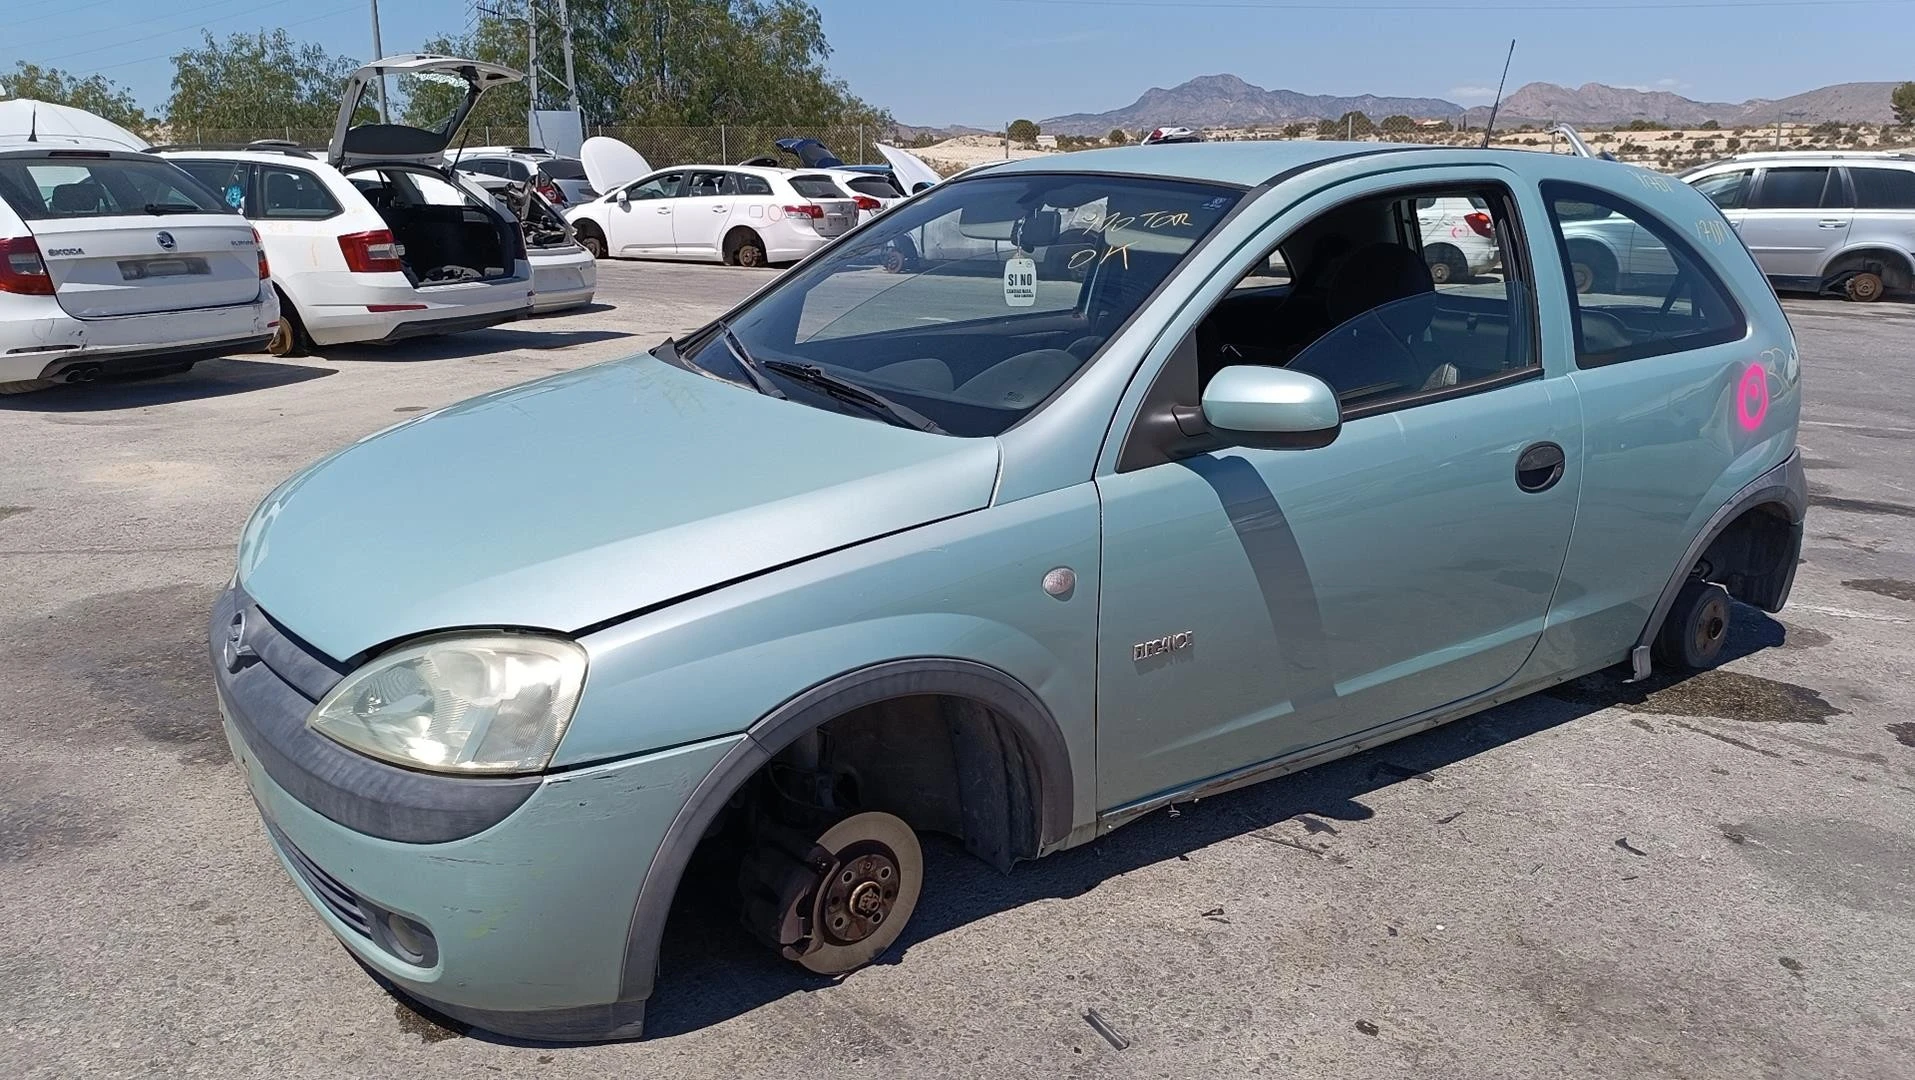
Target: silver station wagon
point(1180, 474)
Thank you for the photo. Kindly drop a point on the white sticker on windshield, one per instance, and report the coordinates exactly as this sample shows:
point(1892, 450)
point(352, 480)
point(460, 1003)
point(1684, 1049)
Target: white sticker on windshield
point(1020, 283)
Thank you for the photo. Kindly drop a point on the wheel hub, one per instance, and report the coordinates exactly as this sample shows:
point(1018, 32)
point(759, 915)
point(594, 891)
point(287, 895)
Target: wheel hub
point(860, 893)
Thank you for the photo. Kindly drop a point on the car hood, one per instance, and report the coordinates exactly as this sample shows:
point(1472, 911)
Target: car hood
point(580, 498)
point(911, 171)
point(610, 164)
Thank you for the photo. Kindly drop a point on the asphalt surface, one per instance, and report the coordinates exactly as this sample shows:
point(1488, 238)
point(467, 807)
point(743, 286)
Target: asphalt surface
point(1710, 878)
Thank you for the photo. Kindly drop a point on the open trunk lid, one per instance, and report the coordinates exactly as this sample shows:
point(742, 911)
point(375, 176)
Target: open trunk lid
point(128, 234)
point(358, 143)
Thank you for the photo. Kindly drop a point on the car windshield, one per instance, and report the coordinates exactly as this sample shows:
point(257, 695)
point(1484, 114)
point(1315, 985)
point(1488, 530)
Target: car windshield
point(972, 305)
point(73, 186)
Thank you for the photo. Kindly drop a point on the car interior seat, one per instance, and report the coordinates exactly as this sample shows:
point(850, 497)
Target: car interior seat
point(81, 198)
point(1381, 300)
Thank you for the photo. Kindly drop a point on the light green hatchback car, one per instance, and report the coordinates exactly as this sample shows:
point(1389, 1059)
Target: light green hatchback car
point(1155, 472)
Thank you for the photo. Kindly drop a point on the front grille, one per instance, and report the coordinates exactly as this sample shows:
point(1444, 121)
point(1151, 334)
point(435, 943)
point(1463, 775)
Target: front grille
point(341, 901)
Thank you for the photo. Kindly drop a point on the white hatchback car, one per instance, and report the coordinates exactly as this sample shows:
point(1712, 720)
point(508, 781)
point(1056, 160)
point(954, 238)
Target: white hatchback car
point(380, 241)
point(113, 261)
point(737, 214)
point(1459, 238)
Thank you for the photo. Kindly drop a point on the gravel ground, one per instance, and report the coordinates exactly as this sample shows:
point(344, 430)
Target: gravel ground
point(1708, 878)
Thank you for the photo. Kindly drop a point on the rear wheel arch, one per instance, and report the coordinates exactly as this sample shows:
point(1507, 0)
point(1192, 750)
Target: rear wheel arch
point(1002, 713)
point(1896, 269)
point(1751, 546)
point(737, 239)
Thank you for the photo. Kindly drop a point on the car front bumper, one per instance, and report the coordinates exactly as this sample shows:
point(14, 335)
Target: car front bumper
point(529, 902)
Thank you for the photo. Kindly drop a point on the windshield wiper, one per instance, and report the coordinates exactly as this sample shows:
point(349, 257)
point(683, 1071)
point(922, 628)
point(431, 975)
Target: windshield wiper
point(852, 393)
point(175, 208)
point(748, 365)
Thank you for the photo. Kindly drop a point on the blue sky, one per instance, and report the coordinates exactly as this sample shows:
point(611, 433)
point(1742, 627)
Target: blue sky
point(985, 61)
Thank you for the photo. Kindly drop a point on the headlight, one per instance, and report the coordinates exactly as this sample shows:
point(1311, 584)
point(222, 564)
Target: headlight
point(460, 703)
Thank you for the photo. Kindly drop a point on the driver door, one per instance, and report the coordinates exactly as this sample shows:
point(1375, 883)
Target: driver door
point(1260, 603)
point(641, 223)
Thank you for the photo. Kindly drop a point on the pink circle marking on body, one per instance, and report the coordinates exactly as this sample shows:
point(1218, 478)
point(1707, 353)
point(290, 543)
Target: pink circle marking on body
point(1752, 397)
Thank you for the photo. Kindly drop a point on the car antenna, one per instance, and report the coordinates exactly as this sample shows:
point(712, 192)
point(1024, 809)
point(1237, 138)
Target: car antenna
point(33, 124)
point(1498, 103)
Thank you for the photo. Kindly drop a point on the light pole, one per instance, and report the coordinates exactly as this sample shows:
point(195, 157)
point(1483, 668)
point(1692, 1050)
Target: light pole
point(379, 53)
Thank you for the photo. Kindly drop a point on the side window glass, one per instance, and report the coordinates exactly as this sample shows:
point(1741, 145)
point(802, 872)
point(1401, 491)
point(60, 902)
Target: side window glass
point(729, 185)
point(1636, 287)
point(753, 185)
point(1729, 191)
point(517, 170)
point(658, 187)
point(1883, 189)
point(704, 185)
point(294, 193)
point(1791, 189)
point(227, 180)
point(1445, 306)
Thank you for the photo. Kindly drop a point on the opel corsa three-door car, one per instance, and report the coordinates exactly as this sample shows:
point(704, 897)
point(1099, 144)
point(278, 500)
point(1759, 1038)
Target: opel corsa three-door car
point(1013, 548)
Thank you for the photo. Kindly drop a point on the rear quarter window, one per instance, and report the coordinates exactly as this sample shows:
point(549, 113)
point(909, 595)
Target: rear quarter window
point(1637, 287)
point(1883, 189)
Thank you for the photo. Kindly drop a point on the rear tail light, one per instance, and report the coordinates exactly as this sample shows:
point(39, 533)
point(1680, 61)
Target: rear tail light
point(264, 270)
point(866, 202)
point(22, 270)
point(374, 252)
point(1479, 223)
point(809, 210)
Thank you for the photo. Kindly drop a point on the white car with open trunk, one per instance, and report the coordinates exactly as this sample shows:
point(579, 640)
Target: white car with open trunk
point(112, 261)
point(380, 241)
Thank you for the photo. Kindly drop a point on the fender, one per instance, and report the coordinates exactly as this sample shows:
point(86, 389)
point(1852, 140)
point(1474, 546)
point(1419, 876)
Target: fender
point(1786, 484)
point(986, 685)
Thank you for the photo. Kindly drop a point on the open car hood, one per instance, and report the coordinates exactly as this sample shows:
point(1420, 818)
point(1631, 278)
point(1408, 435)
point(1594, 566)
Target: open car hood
point(357, 144)
point(611, 164)
point(909, 168)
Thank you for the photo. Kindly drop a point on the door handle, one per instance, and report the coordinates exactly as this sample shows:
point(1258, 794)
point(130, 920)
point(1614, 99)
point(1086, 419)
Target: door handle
point(720, 209)
point(1539, 466)
point(1832, 223)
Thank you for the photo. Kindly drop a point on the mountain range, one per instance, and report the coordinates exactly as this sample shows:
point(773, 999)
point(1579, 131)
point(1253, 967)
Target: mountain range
point(1228, 101)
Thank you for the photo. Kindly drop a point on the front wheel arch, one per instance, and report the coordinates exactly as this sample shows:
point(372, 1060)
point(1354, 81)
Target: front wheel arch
point(1038, 737)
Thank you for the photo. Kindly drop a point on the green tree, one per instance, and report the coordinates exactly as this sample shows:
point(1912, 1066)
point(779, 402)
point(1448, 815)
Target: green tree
point(1711, 125)
point(1353, 123)
point(670, 62)
point(1295, 131)
point(1022, 131)
point(1902, 101)
point(1397, 124)
point(96, 94)
point(256, 83)
point(1117, 137)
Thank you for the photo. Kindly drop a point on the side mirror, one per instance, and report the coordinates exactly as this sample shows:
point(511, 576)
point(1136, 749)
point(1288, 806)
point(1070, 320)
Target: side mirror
point(1271, 408)
point(624, 199)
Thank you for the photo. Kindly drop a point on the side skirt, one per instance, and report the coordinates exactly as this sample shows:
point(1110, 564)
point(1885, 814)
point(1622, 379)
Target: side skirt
point(1364, 740)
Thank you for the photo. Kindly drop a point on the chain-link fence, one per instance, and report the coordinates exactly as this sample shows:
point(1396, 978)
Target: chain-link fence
point(662, 146)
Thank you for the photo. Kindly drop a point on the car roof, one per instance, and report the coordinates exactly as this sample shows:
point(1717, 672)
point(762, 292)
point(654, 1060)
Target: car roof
point(753, 170)
point(1247, 163)
point(270, 157)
